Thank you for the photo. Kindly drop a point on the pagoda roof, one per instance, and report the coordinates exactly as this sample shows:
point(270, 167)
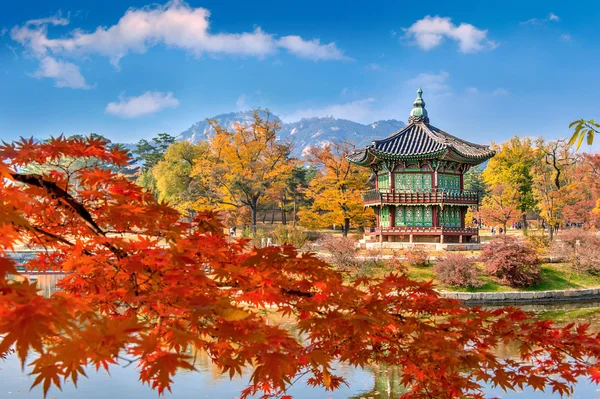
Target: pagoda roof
point(421, 140)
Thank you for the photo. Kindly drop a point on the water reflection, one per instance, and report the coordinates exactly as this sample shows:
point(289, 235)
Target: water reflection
point(376, 382)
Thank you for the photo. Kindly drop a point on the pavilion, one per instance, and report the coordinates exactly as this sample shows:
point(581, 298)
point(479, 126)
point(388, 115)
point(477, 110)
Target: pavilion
point(419, 197)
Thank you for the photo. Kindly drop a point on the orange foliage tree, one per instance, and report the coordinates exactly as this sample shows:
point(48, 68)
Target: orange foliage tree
point(501, 205)
point(336, 189)
point(177, 286)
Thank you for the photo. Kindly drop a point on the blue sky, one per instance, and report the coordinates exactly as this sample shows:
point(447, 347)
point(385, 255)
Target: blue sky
point(132, 69)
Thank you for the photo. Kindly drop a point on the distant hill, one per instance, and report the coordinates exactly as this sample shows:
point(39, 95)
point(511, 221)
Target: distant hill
point(304, 133)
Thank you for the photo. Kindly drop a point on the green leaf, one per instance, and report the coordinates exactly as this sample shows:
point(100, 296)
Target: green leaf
point(575, 123)
point(590, 137)
point(572, 139)
point(581, 136)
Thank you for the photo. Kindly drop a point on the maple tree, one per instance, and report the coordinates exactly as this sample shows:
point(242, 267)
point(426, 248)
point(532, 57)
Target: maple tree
point(500, 205)
point(336, 189)
point(180, 285)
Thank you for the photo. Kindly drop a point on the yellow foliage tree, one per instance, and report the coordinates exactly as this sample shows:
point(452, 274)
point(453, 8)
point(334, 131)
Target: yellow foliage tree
point(335, 190)
point(243, 166)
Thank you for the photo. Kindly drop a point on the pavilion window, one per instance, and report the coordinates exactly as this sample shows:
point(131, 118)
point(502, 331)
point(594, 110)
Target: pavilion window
point(412, 181)
point(449, 182)
point(414, 216)
point(383, 182)
point(384, 217)
point(450, 216)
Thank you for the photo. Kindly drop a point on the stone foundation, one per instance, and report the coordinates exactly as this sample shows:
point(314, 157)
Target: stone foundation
point(427, 246)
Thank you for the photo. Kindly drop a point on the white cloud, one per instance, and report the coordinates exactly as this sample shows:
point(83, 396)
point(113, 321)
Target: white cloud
point(147, 103)
point(241, 102)
point(430, 32)
point(565, 37)
point(174, 24)
point(359, 111)
point(538, 21)
point(500, 91)
point(64, 73)
point(472, 90)
point(432, 83)
point(3, 31)
point(311, 49)
point(373, 67)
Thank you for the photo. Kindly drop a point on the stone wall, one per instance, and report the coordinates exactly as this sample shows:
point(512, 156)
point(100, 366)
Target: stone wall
point(519, 297)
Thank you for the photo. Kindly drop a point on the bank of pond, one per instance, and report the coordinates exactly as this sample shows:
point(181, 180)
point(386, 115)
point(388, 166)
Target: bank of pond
point(375, 381)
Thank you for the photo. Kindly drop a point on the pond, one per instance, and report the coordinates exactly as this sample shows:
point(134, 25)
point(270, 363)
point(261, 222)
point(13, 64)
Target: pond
point(372, 382)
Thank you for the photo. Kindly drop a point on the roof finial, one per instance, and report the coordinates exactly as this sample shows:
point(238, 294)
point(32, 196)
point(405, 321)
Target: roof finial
point(418, 113)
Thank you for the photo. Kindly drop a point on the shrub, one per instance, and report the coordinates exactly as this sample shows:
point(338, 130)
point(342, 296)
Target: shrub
point(457, 270)
point(372, 261)
point(286, 235)
point(341, 250)
point(416, 257)
point(512, 261)
point(580, 248)
point(539, 242)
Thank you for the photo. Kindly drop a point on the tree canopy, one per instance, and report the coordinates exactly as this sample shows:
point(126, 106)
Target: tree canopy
point(142, 283)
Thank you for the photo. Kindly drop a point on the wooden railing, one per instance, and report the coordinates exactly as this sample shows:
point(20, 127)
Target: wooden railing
point(424, 230)
point(419, 196)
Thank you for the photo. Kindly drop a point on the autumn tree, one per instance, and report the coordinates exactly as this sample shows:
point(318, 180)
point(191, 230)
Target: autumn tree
point(511, 166)
point(172, 174)
point(181, 286)
point(501, 205)
point(243, 166)
point(336, 189)
point(582, 193)
point(551, 175)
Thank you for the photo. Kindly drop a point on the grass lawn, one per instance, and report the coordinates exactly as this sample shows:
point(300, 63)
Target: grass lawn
point(554, 276)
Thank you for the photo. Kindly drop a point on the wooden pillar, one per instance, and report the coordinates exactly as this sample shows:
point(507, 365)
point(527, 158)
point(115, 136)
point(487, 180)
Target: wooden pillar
point(442, 239)
point(434, 216)
point(410, 238)
point(377, 211)
point(460, 239)
point(463, 212)
point(392, 215)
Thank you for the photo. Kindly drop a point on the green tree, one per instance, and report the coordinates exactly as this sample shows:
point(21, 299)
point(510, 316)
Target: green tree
point(149, 153)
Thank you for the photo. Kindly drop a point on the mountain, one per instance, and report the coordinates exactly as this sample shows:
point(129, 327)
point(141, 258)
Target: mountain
point(305, 133)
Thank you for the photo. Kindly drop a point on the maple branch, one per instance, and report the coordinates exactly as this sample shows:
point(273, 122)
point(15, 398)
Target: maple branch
point(68, 202)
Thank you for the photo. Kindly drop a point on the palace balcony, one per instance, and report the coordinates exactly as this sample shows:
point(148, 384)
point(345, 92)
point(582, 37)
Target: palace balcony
point(419, 196)
point(417, 230)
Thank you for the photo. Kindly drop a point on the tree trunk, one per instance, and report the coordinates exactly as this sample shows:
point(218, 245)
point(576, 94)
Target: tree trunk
point(273, 212)
point(294, 213)
point(346, 227)
point(524, 221)
point(254, 210)
point(283, 218)
point(551, 232)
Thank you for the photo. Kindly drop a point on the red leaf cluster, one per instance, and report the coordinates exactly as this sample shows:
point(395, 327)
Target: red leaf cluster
point(141, 283)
